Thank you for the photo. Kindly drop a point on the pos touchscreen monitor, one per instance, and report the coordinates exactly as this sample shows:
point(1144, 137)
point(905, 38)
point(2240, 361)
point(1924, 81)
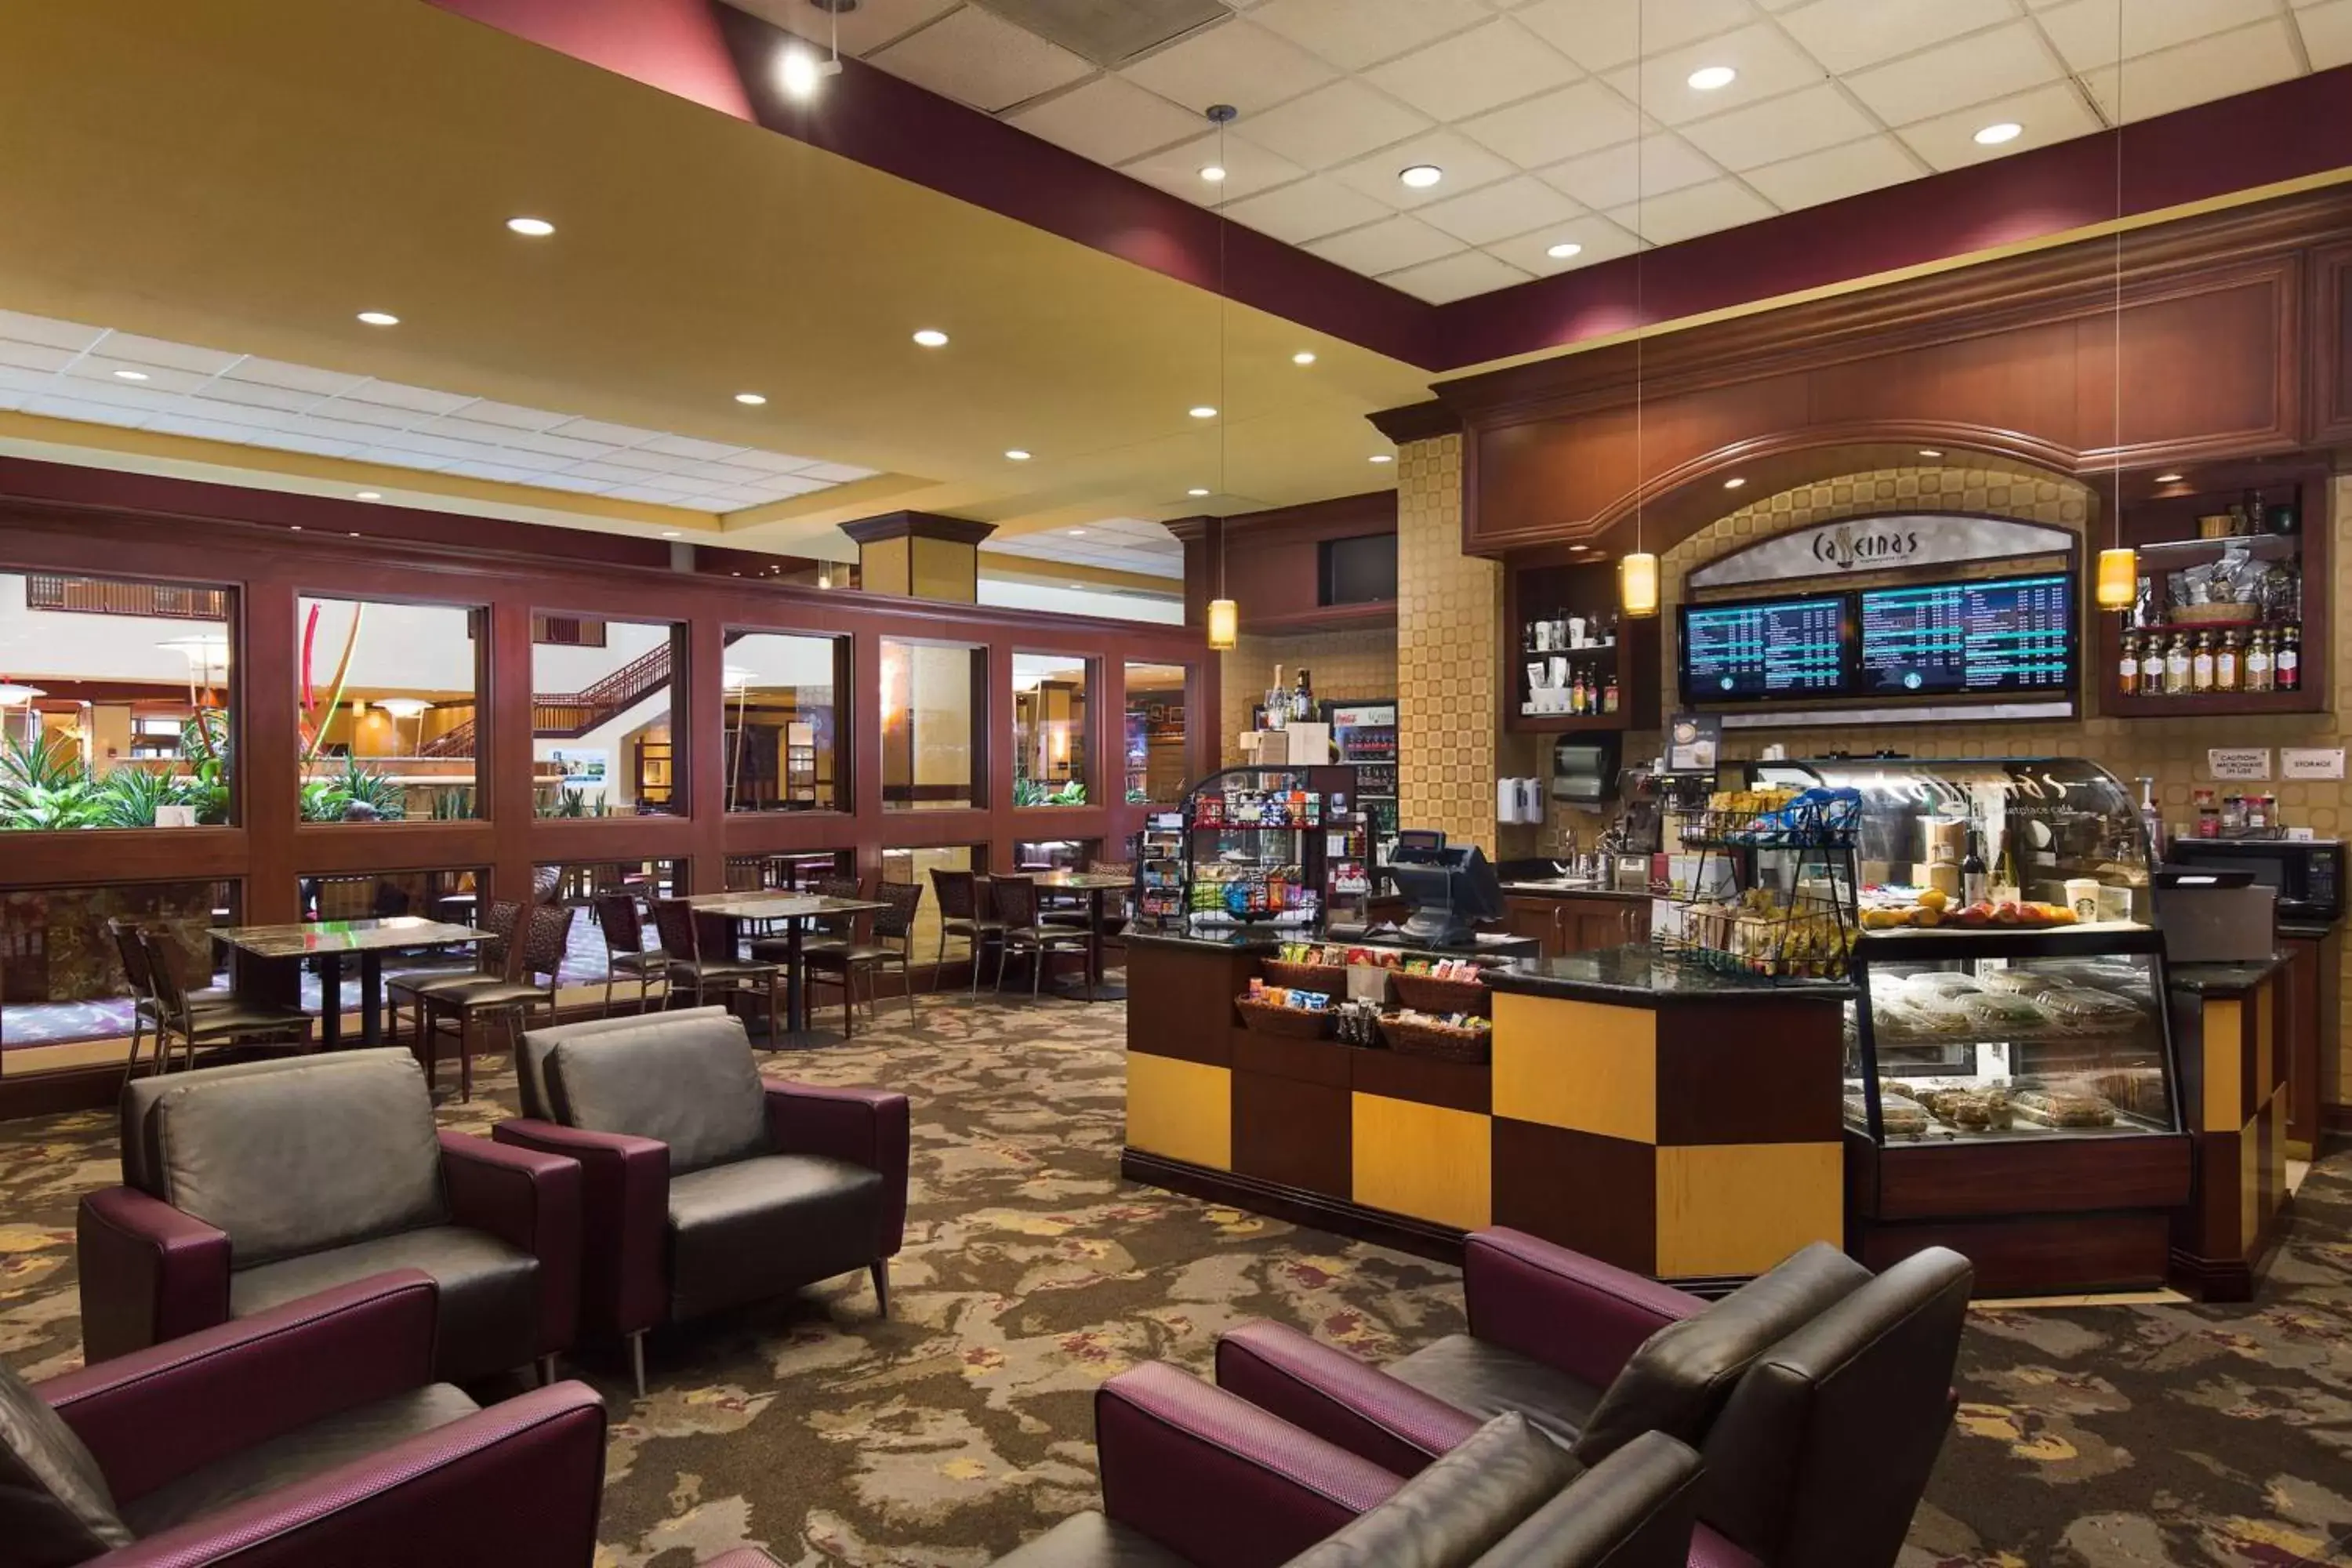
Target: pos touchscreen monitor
point(1452, 890)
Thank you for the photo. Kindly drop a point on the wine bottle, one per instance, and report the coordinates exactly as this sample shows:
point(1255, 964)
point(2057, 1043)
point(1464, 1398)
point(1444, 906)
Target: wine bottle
point(2286, 665)
point(1972, 871)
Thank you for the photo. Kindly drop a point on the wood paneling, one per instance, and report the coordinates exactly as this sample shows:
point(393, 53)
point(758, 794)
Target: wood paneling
point(1750, 1072)
point(1596, 1194)
point(1293, 1132)
point(2035, 1256)
point(1273, 562)
point(2053, 1176)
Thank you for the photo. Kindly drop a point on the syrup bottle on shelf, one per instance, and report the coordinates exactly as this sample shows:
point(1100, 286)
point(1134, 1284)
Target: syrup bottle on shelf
point(2286, 665)
point(2128, 664)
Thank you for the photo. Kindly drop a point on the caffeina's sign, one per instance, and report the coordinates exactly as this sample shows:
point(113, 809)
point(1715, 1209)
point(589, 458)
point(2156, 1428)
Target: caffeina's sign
point(1881, 543)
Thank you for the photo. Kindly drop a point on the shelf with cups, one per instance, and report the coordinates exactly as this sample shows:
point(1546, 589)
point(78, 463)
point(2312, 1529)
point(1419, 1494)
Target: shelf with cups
point(2230, 616)
point(1576, 664)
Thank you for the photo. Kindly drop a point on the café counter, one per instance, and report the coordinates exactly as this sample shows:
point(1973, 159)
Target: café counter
point(1661, 1115)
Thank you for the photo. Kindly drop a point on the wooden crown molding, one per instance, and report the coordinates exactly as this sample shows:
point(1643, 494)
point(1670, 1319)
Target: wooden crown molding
point(1417, 421)
point(916, 525)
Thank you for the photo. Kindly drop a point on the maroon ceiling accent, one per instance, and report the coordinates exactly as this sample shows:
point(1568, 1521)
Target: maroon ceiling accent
point(707, 51)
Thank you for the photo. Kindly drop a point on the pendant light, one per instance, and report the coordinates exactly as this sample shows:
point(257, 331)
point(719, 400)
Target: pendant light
point(1637, 569)
point(2117, 584)
point(1224, 616)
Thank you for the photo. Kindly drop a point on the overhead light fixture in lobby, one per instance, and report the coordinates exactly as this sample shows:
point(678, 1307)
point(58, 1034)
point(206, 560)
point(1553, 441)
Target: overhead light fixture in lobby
point(750, 399)
point(129, 375)
point(1563, 250)
point(531, 227)
point(1637, 572)
point(1203, 411)
point(1382, 457)
point(379, 317)
point(2116, 585)
point(2169, 478)
point(1213, 173)
point(1018, 456)
point(2001, 130)
point(1302, 357)
point(1709, 79)
point(1734, 482)
point(1930, 452)
point(1420, 176)
point(368, 494)
point(800, 70)
point(931, 338)
point(1197, 491)
point(1224, 616)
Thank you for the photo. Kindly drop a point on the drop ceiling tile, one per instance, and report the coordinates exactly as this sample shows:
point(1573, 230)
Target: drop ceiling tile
point(640, 458)
point(438, 445)
point(1695, 210)
point(1782, 128)
point(1453, 278)
point(155, 377)
point(724, 474)
point(36, 381)
point(690, 448)
point(137, 350)
point(466, 427)
point(200, 429)
point(1466, 167)
point(1848, 35)
point(1952, 76)
point(606, 473)
point(1578, 119)
point(55, 407)
point(344, 407)
point(1333, 124)
point(1610, 179)
point(289, 377)
point(2051, 113)
point(11, 400)
point(1309, 209)
point(572, 482)
point(733, 500)
point(558, 446)
point(1353, 34)
point(1768, 64)
point(118, 394)
point(1248, 168)
point(1835, 173)
point(783, 487)
point(513, 415)
point(393, 395)
point(1386, 246)
point(838, 473)
point(1512, 207)
point(598, 430)
point(24, 329)
point(2085, 30)
point(1489, 66)
point(537, 462)
point(639, 493)
point(979, 58)
point(769, 462)
point(318, 446)
point(253, 420)
point(2200, 72)
point(503, 472)
point(1240, 63)
point(337, 430)
point(1601, 239)
point(874, 23)
point(2327, 34)
point(43, 357)
point(1602, 35)
point(1109, 120)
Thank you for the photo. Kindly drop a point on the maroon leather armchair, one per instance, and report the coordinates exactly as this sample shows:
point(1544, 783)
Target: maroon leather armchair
point(706, 1185)
point(309, 1433)
point(1195, 1478)
point(246, 1186)
point(1818, 1394)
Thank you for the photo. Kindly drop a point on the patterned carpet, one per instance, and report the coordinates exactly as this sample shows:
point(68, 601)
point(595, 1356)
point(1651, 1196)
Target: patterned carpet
point(2096, 1437)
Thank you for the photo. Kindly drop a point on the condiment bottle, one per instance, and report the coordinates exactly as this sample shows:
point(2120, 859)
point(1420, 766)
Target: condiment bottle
point(2209, 814)
point(2200, 664)
point(2127, 666)
point(2258, 662)
point(2176, 666)
point(2286, 666)
point(2225, 663)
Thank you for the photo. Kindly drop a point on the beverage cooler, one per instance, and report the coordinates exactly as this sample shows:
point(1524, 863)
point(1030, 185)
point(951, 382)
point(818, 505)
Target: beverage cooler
point(1365, 734)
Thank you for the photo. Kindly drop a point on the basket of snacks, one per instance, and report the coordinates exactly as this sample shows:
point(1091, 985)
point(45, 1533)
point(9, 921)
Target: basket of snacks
point(1451, 986)
point(1454, 1038)
point(1331, 979)
point(1278, 1010)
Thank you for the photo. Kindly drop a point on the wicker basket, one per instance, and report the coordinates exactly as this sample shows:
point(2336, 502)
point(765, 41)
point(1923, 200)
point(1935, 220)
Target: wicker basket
point(1274, 1018)
point(1442, 1041)
point(1425, 993)
point(1331, 979)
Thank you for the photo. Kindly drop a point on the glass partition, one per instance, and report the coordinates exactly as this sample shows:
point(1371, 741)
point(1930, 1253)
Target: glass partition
point(782, 737)
point(788, 872)
point(115, 702)
point(61, 979)
point(606, 732)
point(933, 696)
point(591, 947)
point(1049, 729)
point(916, 866)
point(1154, 733)
point(390, 695)
point(1054, 854)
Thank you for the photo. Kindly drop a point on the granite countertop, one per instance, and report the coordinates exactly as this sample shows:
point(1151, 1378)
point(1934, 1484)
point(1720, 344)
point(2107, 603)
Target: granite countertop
point(1642, 975)
point(2222, 979)
point(1267, 939)
point(1555, 890)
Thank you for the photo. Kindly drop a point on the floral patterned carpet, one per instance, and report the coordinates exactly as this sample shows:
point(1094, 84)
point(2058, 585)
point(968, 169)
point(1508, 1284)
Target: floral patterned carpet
point(2094, 1438)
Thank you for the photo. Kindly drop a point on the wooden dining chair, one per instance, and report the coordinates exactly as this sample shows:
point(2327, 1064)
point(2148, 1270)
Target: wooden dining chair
point(959, 915)
point(499, 999)
point(1016, 907)
point(145, 1011)
point(495, 957)
point(626, 953)
point(697, 980)
point(891, 937)
point(228, 1024)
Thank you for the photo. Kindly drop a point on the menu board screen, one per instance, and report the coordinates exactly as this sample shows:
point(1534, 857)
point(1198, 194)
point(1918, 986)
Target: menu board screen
point(1765, 649)
point(2012, 634)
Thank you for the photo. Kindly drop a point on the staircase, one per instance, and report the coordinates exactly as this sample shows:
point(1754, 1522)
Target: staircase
point(570, 715)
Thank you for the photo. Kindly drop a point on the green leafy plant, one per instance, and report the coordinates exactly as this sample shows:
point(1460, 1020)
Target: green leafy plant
point(133, 797)
point(452, 805)
point(376, 796)
point(322, 801)
point(572, 803)
point(204, 748)
point(45, 786)
point(1033, 792)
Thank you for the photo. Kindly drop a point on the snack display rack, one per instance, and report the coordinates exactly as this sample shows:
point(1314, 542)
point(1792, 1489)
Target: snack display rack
point(1772, 889)
point(1253, 848)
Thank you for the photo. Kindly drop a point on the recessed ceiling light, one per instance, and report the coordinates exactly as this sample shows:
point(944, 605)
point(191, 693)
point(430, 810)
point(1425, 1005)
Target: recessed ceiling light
point(1929, 452)
point(1734, 482)
point(355, 533)
point(1077, 533)
point(293, 528)
point(1993, 135)
point(931, 338)
point(1382, 457)
point(1302, 357)
point(1213, 173)
point(2168, 479)
point(749, 399)
point(536, 227)
point(1706, 78)
point(1563, 250)
point(1578, 549)
point(1016, 454)
point(370, 495)
point(1203, 411)
point(1420, 176)
point(379, 317)
point(670, 533)
point(129, 375)
point(1196, 490)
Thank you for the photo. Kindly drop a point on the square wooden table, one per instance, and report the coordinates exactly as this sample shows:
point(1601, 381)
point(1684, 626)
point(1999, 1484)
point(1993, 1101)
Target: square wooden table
point(328, 942)
point(1096, 886)
point(734, 910)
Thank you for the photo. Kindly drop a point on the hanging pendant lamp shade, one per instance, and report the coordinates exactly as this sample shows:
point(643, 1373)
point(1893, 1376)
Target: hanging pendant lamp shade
point(1224, 624)
point(2119, 580)
point(1637, 585)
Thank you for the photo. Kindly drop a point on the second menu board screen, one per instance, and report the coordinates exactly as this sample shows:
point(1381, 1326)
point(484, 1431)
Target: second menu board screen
point(2015, 634)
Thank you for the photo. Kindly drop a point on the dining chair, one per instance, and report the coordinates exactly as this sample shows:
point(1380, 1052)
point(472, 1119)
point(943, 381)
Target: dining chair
point(228, 1024)
point(507, 999)
point(959, 915)
point(1016, 907)
point(495, 957)
point(144, 1009)
point(626, 953)
point(695, 980)
point(841, 963)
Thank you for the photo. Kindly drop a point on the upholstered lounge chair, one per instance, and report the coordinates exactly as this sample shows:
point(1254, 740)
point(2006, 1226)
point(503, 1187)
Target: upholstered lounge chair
point(1818, 1394)
point(1194, 1477)
point(247, 1185)
point(708, 1186)
point(311, 1432)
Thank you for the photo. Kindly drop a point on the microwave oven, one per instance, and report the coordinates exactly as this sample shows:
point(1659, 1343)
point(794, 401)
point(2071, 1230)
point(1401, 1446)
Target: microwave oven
point(2307, 874)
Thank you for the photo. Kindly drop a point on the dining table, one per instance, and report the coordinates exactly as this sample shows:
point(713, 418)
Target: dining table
point(1095, 886)
point(730, 913)
point(285, 947)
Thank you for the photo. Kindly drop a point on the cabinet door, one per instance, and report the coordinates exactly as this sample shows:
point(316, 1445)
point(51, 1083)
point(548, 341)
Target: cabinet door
point(1590, 923)
point(1535, 918)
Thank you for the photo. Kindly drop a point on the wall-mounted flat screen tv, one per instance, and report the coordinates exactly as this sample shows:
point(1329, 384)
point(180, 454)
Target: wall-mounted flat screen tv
point(2003, 636)
point(1760, 650)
